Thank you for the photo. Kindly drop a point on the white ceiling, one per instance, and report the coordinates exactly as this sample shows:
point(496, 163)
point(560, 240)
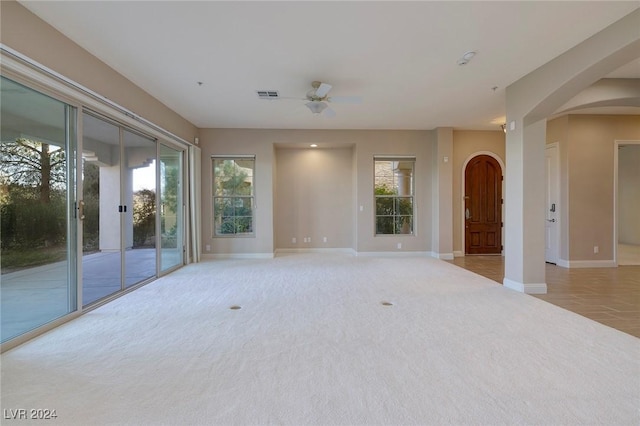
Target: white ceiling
point(399, 56)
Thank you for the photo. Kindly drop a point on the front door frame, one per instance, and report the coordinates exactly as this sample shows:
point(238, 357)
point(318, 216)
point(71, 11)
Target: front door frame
point(463, 189)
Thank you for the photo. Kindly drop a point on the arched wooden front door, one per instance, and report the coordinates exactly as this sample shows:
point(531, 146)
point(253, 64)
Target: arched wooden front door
point(483, 206)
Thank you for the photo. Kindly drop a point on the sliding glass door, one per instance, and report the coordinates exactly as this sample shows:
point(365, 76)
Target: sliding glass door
point(101, 236)
point(171, 208)
point(139, 201)
point(119, 226)
point(129, 213)
point(37, 196)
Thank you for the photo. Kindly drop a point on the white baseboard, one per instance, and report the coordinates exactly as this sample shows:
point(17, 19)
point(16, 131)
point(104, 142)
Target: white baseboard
point(528, 288)
point(238, 256)
point(442, 256)
point(394, 254)
point(347, 250)
point(587, 263)
point(457, 253)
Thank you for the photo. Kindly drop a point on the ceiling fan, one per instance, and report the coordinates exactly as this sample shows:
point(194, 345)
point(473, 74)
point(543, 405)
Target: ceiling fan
point(318, 99)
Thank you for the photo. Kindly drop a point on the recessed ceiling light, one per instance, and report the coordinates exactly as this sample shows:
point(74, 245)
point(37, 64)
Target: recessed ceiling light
point(313, 145)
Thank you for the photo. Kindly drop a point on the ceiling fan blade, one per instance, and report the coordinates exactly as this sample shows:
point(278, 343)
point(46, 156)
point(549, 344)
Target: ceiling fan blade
point(323, 90)
point(345, 99)
point(329, 113)
point(287, 97)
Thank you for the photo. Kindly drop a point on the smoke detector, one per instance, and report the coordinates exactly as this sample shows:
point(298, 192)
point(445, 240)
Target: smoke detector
point(464, 60)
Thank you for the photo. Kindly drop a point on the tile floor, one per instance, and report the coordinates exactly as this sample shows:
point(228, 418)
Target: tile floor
point(610, 296)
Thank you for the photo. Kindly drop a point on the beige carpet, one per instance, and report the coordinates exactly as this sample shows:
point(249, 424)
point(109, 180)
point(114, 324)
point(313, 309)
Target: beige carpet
point(313, 344)
point(628, 254)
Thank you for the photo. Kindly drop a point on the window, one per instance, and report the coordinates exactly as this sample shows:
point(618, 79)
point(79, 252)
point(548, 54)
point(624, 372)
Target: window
point(393, 191)
point(233, 195)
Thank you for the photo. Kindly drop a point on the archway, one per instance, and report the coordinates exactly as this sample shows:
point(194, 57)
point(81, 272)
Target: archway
point(530, 101)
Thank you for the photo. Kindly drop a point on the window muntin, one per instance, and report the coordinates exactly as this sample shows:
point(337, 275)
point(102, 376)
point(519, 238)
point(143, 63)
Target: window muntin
point(394, 195)
point(233, 195)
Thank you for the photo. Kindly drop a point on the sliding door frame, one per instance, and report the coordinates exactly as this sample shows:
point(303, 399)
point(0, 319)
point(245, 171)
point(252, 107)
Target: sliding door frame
point(25, 71)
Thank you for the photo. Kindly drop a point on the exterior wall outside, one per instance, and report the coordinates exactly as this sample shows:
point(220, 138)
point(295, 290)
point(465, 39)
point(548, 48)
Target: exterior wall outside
point(29, 35)
point(465, 144)
point(267, 145)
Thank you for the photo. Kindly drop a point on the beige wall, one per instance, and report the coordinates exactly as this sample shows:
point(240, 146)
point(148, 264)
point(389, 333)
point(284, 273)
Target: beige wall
point(629, 195)
point(26, 33)
point(466, 143)
point(587, 150)
point(239, 142)
point(274, 168)
point(314, 193)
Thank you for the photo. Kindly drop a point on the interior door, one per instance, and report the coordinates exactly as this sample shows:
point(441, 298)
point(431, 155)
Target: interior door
point(483, 206)
point(552, 241)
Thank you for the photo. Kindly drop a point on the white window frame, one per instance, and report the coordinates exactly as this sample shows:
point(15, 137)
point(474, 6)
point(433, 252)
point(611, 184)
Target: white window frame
point(236, 200)
point(404, 184)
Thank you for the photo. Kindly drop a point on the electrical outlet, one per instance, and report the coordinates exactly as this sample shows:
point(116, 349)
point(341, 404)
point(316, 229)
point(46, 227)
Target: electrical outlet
point(399, 246)
point(324, 239)
point(308, 239)
point(596, 249)
point(294, 240)
point(207, 247)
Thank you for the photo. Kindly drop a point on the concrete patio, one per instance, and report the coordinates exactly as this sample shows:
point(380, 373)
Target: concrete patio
point(35, 296)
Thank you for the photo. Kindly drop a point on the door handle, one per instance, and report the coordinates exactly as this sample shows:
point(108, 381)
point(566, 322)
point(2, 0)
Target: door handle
point(467, 214)
point(551, 220)
point(81, 210)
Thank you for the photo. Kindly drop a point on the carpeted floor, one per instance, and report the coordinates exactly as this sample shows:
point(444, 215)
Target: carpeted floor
point(314, 343)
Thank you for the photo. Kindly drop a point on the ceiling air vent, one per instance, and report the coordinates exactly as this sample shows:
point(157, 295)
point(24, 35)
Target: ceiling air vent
point(267, 94)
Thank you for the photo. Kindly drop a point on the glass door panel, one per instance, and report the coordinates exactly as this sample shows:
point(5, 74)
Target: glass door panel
point(171, 212)
point(101, 247)
point(139, 186)
point(37, 181)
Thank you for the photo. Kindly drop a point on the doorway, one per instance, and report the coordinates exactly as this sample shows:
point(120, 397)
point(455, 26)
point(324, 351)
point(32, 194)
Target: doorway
point(552, 197)
point(627, 202)
point(483, 205)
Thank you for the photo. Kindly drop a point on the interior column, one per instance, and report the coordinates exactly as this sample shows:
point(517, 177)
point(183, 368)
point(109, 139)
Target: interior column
point(524, 207)
point(442, 239)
